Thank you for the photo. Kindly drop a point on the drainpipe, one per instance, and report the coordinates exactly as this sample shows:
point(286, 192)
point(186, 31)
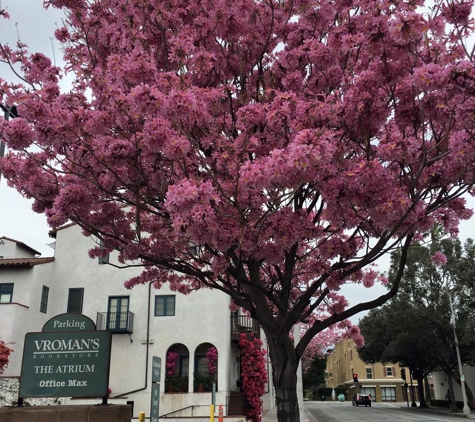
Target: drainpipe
point(146, 350)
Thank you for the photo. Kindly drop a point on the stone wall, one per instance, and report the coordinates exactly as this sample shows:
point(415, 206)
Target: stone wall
point(99, 413)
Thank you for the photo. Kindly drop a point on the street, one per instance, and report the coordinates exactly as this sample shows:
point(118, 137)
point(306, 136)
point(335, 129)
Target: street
point(330, 411)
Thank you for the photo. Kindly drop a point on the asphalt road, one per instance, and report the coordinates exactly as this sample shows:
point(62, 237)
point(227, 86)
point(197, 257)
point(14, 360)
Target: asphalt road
point(330, 411)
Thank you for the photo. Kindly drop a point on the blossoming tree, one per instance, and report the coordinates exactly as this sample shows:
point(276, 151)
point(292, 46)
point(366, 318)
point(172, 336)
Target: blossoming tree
point(270, 149)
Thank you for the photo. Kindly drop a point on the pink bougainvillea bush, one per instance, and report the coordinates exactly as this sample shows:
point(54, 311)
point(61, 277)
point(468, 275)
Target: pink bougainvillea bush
point(272, 150)
point(170, 363)
point(253, 375)
point(212, 356)
point(5, 352)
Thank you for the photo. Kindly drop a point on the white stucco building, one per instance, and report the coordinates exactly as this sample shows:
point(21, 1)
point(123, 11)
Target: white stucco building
point(145, 322)
point(440, 383)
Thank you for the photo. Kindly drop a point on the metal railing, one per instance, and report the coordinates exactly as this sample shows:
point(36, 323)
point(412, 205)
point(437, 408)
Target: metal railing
point(236, 405)
point(116, 322)
point(174, 413)
point(244, 324)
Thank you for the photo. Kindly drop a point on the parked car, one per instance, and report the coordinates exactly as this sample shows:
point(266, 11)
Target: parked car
point(361, 400)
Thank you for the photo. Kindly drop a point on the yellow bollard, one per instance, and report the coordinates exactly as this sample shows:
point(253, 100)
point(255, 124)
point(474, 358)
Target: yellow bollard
point(142, 417)
point(220, 419)
point(211, 413)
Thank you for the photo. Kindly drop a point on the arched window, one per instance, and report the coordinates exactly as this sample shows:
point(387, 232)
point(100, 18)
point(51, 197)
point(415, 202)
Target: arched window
point(205, 371)
point(177, 368)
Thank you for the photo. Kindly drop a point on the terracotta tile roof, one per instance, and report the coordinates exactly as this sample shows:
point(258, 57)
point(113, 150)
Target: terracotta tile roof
point(25, 262)
point(21, 244)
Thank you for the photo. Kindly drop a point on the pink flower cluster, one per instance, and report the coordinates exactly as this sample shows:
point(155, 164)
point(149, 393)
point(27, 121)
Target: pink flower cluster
point(212, 356)
point(253, 374)
point(4, 355)
point(439, 259)
point(255, 147)
point(170, 363)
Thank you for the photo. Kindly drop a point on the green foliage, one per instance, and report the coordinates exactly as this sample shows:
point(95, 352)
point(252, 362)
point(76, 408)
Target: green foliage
point(421, 312)
point(204, 379)
point(327, 391)
point(176, 383)
point(315, 374)
point(415, 328)
point(445, 403)
point(399, 332)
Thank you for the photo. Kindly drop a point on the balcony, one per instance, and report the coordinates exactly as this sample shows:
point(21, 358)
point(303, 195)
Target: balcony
point(116, 322)
point(243, 324)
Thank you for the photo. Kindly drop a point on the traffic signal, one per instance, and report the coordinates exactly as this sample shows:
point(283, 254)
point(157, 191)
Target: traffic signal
point(403, 374)
point(355, 377)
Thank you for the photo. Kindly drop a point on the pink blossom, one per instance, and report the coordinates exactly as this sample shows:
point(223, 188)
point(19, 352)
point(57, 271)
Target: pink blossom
point(5, 352)
point(254, 147)
point(439, 259)
point(253, 375)
point(170, 363)
point(212, 356)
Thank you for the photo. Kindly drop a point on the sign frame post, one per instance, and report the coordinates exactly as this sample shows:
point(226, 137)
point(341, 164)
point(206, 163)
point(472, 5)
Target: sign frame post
point(68, 358)
point(155, 393)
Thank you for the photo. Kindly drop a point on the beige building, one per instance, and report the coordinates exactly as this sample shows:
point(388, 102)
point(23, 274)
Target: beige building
point(382, 381)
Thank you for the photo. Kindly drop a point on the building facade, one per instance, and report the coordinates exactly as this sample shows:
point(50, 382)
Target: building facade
point(382, 381)
point(145, 322)
point(439, 383)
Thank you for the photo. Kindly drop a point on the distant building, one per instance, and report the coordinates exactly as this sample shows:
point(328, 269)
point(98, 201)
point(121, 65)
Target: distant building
point(382, 381)
point(145, 322)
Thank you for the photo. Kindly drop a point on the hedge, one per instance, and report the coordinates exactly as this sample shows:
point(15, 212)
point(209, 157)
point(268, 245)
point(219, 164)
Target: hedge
point(444, 403)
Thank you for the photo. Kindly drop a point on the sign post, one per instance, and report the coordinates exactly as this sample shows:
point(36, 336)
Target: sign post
point(155, 397)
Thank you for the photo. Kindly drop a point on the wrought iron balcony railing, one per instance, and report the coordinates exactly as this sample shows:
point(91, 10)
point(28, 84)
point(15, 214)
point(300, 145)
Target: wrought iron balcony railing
point(244, 324)
point(116, 322)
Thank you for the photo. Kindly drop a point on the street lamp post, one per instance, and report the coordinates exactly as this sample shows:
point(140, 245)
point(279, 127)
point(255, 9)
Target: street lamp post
point(466, 409)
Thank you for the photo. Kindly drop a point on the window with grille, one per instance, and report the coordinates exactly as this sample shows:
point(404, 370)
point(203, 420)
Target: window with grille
point(6, 292)
point(389, 371)
point(388, 393)
point(165, 305)
point(184, 366)
point(75, 300)
point(369, 373)
point(118, 313)
point(201, 364)
point(44, 299)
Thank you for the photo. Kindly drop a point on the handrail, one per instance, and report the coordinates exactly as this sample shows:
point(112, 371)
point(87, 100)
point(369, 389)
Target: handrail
point(179, 410)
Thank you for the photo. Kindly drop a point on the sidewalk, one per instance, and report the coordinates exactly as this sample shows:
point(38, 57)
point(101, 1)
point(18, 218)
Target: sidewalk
point(437, 411)
point(271, 415)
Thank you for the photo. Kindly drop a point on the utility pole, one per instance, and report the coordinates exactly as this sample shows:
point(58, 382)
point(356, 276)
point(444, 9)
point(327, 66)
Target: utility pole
point(466, 409)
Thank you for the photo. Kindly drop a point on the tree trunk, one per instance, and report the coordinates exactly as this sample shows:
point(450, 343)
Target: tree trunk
point(420, 389)
point(287, 404)
point(284, 363)
point(453, 403)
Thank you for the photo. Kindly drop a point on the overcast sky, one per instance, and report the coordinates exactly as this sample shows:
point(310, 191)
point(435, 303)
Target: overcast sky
point(35, 27)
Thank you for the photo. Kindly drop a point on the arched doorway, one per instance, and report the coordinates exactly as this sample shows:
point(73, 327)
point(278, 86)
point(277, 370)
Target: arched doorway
point(177, 368)
point(205, 370)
